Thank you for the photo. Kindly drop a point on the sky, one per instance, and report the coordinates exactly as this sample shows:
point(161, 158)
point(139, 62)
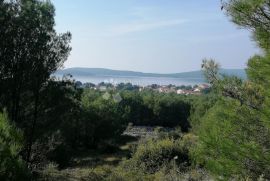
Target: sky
point(158, 36)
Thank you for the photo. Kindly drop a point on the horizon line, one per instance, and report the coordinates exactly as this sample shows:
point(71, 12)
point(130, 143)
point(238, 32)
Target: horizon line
point(66, 68)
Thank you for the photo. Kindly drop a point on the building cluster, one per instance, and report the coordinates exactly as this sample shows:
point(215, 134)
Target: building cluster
point(181, 90)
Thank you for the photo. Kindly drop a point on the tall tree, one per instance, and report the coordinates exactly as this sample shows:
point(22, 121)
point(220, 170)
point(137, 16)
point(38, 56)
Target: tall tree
point(234, 135)
point(30, 51)
point(255, 16)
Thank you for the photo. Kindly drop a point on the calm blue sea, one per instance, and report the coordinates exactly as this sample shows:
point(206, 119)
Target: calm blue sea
point(142, 81)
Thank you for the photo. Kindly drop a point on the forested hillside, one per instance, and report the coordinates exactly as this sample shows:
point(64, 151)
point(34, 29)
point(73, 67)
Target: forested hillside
point(108, 72)
point(52, 129)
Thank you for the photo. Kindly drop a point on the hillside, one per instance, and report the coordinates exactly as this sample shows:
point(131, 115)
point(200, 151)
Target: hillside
point(108, 72)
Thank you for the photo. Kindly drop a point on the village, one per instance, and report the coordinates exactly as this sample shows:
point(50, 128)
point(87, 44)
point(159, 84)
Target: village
point(183, 90)
point(180, 90)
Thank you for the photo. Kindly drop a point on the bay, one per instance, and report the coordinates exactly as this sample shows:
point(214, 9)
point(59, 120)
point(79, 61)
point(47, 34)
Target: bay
point(137, 80)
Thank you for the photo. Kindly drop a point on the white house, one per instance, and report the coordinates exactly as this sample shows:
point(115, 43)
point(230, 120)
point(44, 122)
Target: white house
point(180, 91)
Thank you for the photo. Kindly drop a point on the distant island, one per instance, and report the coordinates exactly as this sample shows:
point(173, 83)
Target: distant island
point(124, 73)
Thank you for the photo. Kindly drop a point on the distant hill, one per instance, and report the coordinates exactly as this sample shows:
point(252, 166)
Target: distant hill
point(108, 72)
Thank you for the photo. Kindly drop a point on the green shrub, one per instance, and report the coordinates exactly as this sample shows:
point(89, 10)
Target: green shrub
point(152, 155)
point(174, 134)
point(176, 174)
point(12, 166)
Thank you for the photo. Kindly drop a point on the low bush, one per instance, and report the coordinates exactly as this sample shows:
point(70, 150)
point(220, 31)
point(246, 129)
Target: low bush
point(170, 172)
point(152, 155)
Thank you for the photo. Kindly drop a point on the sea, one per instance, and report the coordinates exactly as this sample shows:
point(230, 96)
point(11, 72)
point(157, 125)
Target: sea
point(135, 80)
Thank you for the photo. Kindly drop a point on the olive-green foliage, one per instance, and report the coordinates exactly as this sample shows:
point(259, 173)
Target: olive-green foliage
point(102, 117)
point(171, 167)
point(233, 142)
point(30, 51)
point(152, 155)
point(259, 74)
point(173, 173)
point(59, 107)
point(259, 69)
point(159, 159)
point(12, 166)
point(234, 134)
point(134, 108)
point(127, 86)
point(56, 127)
point(199, 107)
point(106, 114)
point(254, 15)
point(149, 108)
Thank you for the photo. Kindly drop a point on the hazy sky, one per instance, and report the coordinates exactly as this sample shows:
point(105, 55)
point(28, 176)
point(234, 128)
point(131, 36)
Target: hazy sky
point(161, 36)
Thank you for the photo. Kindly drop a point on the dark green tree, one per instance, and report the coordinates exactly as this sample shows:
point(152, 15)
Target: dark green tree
point(102, 118)
point(234, 133)
point(30, 52)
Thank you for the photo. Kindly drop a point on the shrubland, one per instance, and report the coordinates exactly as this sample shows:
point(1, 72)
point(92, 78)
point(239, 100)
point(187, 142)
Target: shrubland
point(51, 129)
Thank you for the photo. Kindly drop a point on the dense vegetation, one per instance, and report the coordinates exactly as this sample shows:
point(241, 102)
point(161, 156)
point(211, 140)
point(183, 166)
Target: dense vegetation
point(47, 123)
